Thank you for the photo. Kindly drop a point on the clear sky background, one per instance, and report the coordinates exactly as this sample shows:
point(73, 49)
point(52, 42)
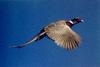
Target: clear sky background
point(20, 20)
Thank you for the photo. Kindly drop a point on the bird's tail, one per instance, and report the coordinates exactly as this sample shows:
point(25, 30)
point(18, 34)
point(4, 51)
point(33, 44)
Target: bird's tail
point(36, 38)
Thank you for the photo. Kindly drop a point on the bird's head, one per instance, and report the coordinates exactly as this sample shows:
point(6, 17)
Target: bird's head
point(76, 20)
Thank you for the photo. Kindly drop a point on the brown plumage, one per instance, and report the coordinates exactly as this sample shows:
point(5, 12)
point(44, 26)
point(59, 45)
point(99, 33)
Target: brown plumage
point(60, 32)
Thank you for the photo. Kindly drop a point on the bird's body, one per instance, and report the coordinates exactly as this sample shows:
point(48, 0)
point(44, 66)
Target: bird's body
point(60, 32)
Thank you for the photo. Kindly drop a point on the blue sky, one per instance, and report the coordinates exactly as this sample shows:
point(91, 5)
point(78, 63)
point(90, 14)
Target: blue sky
point(21, 20)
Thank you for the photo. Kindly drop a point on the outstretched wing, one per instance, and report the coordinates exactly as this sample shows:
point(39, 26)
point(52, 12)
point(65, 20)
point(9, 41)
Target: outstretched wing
point(63, 35)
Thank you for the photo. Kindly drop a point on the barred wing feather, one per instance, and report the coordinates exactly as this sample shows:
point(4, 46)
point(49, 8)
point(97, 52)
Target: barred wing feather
point(63, 35)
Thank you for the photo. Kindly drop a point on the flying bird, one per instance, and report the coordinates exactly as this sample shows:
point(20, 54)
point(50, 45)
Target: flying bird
point(60, 32)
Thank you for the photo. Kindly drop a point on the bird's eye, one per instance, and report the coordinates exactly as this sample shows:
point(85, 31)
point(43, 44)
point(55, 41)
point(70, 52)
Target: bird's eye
point(78, 20)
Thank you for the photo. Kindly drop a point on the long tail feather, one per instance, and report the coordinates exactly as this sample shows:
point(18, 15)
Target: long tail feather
point(36, 38)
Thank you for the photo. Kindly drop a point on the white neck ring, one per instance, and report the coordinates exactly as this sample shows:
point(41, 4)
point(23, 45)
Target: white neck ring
point(71, 22)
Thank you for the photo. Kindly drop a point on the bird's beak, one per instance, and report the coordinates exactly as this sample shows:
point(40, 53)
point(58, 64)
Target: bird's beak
point(82, 20)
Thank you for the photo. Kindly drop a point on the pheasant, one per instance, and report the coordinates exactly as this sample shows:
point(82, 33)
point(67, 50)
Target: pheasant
point(60, 32)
